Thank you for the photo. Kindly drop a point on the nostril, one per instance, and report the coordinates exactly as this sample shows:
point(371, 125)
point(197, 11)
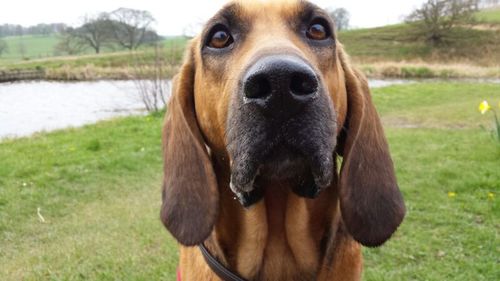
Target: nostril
point(303, 84)
point(257, 87)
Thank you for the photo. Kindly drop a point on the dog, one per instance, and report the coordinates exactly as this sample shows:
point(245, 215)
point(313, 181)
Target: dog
point(275, 159)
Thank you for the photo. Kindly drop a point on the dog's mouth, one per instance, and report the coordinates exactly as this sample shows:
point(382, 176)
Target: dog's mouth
point(284, 165)
point(282, 127)
point(281, 163)
point(299, 152)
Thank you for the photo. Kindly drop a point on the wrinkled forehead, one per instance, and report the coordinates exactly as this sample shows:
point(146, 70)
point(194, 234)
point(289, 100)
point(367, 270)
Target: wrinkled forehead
point(248, 13)
point(273, 8)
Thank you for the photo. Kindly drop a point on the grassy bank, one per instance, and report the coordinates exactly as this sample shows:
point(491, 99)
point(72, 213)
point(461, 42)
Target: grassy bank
point(422, 70)
point(98, 190)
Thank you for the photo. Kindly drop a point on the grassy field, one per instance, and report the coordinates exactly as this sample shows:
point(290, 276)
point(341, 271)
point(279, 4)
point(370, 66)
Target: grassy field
point(489, 16)
point(42, 47)
point(36, 47)
point(29, 46)
point(98, 190)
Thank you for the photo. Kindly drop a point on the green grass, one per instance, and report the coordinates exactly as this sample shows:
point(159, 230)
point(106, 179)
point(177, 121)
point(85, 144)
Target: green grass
point(40, 51)
point(489, 16)
point(439, 148)
point(34, 46)
point(392, 42)
point(98, 188)
point(399, 43)
point(436, 105)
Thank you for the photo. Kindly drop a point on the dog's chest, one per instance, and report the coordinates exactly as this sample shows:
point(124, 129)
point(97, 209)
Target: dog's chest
point(291, 249)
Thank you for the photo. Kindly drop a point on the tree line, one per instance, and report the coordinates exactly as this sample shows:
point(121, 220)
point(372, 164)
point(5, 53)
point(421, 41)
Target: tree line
point(39, 29)
point(126, 28)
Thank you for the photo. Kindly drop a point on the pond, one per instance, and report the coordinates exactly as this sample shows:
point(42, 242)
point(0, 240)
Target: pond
point(29, 107)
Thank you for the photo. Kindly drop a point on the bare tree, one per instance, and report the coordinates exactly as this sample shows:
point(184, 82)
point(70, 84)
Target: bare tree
point(95, 31)
point(68, 43)
point(3, 47)
point(150, 80)
point(341, 18)
point(435, 19)
point(130, 27)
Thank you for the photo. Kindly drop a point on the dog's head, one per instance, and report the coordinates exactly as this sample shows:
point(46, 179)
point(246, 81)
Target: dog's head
point(268, 86)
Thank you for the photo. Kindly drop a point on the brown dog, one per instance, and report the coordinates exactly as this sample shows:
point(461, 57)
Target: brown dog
point(264, 111)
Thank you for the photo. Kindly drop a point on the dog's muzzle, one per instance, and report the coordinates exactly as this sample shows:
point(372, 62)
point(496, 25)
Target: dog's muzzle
point(282, 125)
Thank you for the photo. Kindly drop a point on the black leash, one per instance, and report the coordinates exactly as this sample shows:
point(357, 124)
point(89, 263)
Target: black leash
point(217, 267)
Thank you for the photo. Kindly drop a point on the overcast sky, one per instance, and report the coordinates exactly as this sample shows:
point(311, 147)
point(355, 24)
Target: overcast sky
point(175, 16)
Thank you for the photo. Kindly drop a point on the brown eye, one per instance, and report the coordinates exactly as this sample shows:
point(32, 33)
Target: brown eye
point(317, 31)
point(220, 39)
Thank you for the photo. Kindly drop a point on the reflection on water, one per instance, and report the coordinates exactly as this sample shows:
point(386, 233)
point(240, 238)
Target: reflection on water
point(29, 107)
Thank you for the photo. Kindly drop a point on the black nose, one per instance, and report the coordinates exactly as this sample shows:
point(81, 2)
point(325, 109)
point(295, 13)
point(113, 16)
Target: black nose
point(280, 84)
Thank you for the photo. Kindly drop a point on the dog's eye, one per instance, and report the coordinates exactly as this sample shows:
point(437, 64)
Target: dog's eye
point(220, 38)
point(318, 31)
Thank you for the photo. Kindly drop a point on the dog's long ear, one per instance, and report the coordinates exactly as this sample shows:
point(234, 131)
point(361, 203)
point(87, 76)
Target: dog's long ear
point(371, 204)
point(190, 194)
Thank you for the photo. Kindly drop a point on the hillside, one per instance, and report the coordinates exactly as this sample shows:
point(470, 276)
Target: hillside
point(477, 44)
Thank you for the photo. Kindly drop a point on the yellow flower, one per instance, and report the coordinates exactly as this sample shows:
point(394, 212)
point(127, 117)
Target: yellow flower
point(491, 195)
point(451, 194)
point(484, 107)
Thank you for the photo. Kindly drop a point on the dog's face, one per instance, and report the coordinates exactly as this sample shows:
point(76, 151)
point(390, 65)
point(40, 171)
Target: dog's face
point(268, 88)
point(261, 93)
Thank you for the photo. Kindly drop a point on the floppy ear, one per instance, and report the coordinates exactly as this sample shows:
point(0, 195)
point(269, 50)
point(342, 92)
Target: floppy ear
point(371, 203)
point(190, 194)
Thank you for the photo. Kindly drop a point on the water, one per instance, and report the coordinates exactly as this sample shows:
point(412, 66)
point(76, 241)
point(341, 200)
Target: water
point(29, 107)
